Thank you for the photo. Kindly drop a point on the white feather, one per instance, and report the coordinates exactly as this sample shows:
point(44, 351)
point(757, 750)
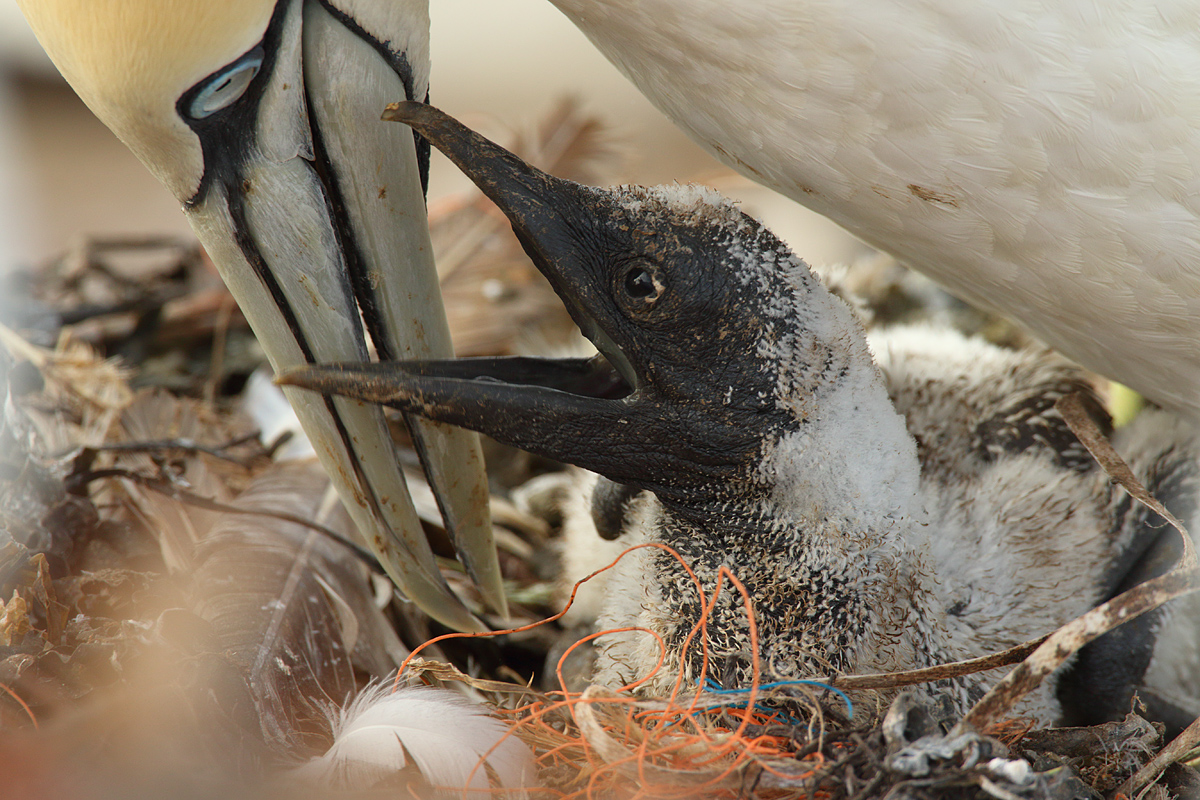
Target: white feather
point(437, 732)
point(265, 403)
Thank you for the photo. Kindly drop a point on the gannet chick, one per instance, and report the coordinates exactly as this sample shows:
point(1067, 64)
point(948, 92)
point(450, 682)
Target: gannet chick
point(744, 397)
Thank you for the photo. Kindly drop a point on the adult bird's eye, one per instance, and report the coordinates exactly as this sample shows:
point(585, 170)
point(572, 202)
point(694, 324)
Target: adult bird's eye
point(639, 284)
point(226, 86)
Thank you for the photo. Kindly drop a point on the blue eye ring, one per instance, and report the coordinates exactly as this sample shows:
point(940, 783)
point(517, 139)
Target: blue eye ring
point(224, 87)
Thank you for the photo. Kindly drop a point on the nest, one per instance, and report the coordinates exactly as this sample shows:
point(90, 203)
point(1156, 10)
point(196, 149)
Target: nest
point(177, 611)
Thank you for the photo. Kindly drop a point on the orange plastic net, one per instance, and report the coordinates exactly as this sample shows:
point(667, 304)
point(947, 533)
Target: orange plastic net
point(602, 743)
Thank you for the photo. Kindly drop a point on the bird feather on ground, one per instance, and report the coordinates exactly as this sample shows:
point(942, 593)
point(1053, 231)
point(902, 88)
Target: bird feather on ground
point(452, 743)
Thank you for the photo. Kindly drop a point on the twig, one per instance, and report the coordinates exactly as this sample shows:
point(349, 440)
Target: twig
point(1178, 747)
point(182, 444)
point(892, 680)
point(136, 305)
point(176, 492)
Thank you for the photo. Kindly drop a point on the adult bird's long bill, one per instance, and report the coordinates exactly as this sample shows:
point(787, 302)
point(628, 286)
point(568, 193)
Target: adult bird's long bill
point(262, 118)
point(623, 417)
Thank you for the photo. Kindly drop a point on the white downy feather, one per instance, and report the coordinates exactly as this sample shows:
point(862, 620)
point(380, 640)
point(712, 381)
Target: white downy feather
point(270, 410)
point(437, 732)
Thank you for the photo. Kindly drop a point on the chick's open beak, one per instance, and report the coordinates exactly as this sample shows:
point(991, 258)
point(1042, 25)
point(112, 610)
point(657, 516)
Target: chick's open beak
point(587, 412)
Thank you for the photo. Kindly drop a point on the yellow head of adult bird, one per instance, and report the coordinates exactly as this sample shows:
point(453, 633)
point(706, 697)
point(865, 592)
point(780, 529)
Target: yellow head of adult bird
point(262, 117)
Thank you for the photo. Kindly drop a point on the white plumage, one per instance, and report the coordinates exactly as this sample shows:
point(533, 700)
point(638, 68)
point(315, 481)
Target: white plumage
point(451, 743)
point(1040, 159)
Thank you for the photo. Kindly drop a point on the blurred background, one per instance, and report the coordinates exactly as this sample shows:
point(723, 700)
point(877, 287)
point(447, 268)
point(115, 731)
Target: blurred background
point(497, 65)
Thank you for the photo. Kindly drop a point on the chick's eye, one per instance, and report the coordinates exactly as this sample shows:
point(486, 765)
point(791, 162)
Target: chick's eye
point(639, 284)
point(225, 87)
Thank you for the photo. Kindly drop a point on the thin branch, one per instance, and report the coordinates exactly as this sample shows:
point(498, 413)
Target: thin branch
point(938, 672)
point(177, 492)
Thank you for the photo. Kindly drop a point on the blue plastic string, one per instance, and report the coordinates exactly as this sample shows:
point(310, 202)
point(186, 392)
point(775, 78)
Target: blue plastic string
point(713, 687)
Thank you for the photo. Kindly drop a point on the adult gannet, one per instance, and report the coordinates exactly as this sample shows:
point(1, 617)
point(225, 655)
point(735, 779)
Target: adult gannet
point(262, 118)
point(1041, 160)
point(879, 523)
